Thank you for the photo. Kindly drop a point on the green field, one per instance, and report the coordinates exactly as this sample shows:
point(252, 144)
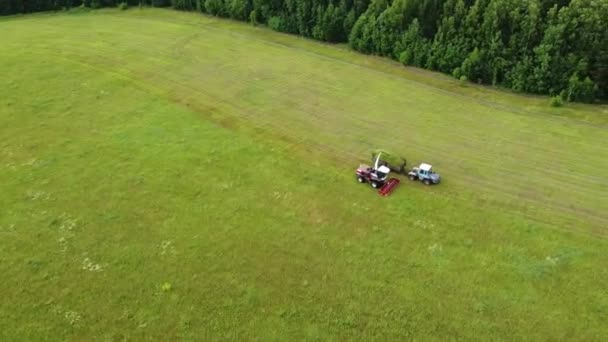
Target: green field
point(167, 175)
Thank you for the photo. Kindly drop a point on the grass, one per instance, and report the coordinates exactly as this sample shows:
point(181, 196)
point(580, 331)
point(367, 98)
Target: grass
point(167, 175)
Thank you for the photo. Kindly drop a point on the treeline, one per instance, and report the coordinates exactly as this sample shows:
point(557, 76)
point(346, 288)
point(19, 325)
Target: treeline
point(327, 20)
point(8, 7)
point(555, 47)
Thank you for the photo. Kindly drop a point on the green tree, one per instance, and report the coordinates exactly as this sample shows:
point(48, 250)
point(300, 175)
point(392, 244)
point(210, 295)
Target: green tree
point(583, 91)
point(239, 9)
point(216, 7)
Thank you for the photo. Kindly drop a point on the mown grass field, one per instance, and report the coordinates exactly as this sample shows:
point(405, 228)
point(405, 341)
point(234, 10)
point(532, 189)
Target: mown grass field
point(166, 176)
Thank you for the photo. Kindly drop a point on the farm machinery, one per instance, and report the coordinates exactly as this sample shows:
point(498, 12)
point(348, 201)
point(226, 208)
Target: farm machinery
point(395, 163)
point(377, 176)
point(383, 163)
point(425, 174)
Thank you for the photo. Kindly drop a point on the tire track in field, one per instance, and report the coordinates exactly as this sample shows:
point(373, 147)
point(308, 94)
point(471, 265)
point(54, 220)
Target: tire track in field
point(224, 99)
point(301, 141)
point(524, 145)
point(168, 54)
point(223, 32)
point(255, 116)
point(515, 110)
point(266, 124)
point(394, 125)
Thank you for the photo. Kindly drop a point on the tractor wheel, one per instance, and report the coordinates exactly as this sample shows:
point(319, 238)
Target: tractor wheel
point(360, 179)
point(412, 177)
point(375, 185)
point(427, 181)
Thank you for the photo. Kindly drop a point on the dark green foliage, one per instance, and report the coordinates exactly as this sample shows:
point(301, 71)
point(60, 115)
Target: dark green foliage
point(472, 66)
point(537, 46)
point(186, 5)
point(412, 48)
point(581, 90)
point(533, 46)
point(360, 37)
point(463, 80)
point(275, 23)
point(123, 6)
point(216, 7)
point(8, 7)
point(349, 21)
point(330, 23)
point(239, 9)
point(253, 18)
point(158, 3)
point(557, 101)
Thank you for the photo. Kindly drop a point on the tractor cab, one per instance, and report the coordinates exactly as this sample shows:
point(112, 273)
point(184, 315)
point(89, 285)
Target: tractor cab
point(382, 172)
point(375, 176)
point(425, 174)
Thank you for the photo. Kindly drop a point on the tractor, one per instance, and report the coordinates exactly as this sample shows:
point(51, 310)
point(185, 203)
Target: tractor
point(425, 174)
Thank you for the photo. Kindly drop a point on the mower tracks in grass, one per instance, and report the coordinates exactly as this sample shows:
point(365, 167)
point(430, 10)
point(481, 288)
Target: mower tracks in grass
point(254, 117)
point(554, 176)
point(213, 23)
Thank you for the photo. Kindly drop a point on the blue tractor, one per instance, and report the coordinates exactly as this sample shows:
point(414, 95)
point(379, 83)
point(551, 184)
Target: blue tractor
point(425, 174)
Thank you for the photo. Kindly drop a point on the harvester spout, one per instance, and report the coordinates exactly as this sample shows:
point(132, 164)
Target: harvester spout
point(377, 161)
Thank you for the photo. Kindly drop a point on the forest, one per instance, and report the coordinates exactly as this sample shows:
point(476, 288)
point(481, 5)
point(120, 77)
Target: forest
point(552, 47)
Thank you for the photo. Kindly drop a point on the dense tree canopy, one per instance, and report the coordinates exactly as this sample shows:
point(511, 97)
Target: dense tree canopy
point(540, 46)
point(8, 7)
point(556, 47)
